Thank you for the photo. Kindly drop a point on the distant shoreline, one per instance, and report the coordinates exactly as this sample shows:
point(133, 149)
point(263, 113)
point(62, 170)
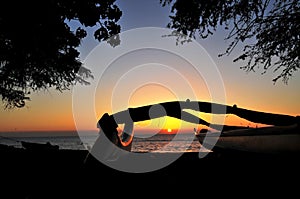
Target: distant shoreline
point(66, 133)
point(45, 133)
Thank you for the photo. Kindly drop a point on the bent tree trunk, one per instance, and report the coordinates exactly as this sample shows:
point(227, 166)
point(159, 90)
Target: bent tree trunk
point(108, 123)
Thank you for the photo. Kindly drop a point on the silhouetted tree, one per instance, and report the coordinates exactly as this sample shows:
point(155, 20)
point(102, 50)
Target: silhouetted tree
point(38, 48)
point(270, 29)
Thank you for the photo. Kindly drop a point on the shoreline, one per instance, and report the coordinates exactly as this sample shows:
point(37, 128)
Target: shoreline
point(46, 173)
point(67, 158)
point(11, 154)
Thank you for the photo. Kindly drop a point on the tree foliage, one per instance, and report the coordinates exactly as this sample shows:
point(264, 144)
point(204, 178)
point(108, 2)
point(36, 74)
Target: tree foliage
point(268, 29)
point(38, 48)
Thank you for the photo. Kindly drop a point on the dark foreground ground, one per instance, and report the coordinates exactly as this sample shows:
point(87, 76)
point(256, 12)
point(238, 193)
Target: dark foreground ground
point(62, 174)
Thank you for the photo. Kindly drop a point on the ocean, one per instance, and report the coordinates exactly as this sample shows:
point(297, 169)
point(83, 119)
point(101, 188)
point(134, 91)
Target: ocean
point(156, 143)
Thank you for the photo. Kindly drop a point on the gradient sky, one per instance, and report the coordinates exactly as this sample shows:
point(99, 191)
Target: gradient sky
point(51, 110)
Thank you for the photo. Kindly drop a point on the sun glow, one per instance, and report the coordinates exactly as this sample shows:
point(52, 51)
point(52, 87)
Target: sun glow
point(169, 130)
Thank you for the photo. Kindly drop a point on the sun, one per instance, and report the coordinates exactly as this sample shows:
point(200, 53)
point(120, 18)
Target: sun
point(169, 130)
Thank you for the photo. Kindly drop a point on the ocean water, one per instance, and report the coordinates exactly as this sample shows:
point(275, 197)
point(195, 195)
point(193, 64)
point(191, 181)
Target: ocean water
point(156, 143)
point(166, 143)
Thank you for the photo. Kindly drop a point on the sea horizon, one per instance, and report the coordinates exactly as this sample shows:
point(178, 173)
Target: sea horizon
point(72, 140)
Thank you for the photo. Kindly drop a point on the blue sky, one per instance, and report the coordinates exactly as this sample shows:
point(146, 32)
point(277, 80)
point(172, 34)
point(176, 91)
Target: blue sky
point(251, 86)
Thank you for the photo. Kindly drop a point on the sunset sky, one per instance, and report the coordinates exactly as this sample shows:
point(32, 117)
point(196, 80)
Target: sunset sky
point(53, 111)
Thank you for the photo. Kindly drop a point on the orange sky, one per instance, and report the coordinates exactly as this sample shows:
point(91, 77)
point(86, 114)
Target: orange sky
point(53, 110)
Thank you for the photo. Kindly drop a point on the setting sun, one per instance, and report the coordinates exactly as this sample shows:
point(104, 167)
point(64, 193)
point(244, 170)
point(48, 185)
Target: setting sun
point(169, 130)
